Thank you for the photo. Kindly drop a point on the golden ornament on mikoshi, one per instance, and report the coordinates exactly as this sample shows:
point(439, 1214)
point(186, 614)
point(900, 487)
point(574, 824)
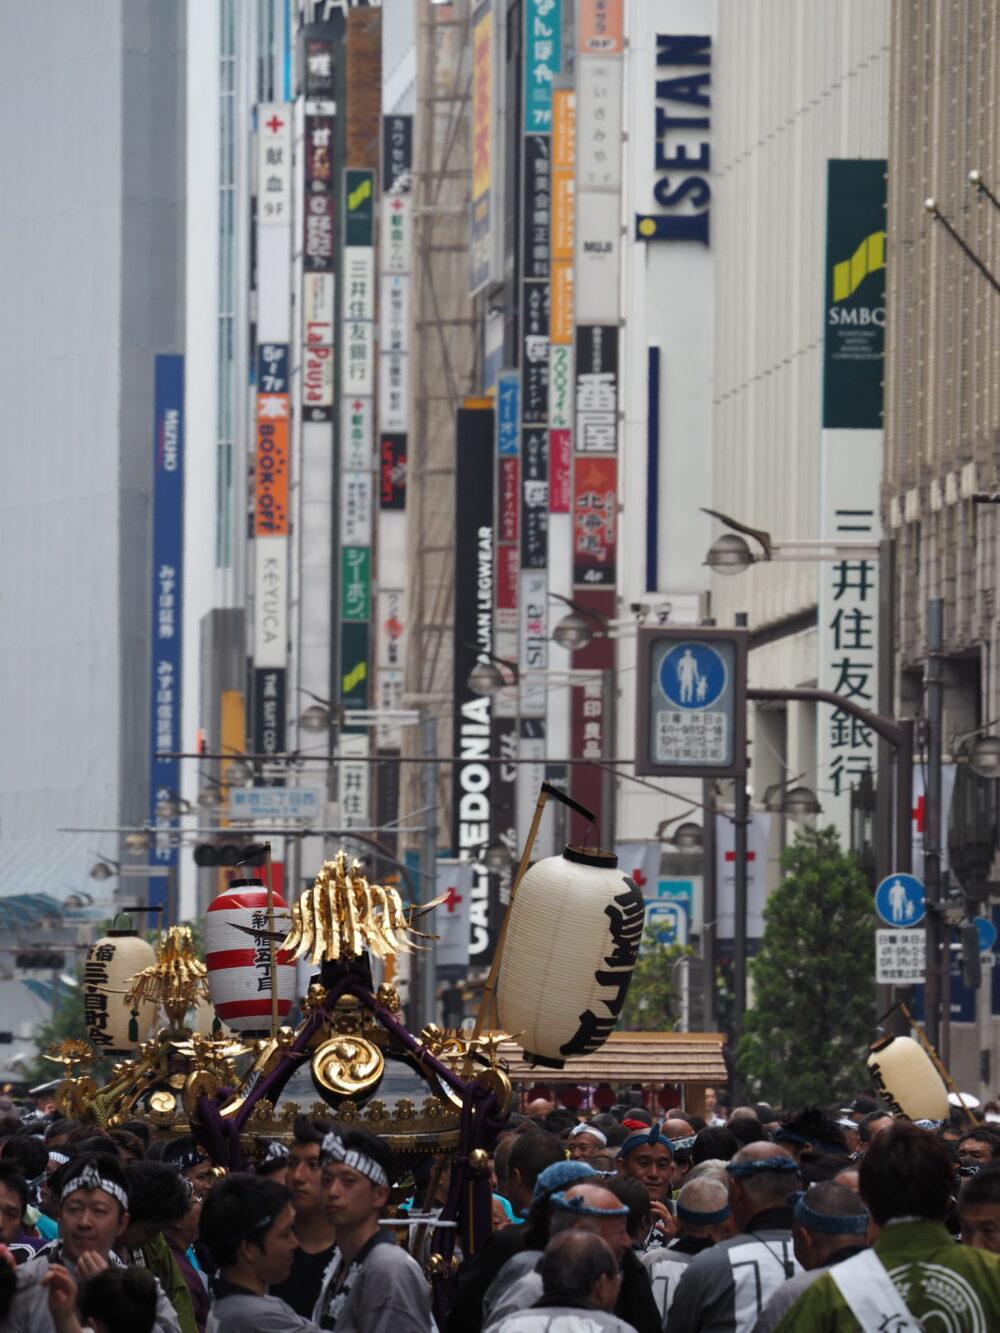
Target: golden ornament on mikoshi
point(342, 915)
point(177, 981)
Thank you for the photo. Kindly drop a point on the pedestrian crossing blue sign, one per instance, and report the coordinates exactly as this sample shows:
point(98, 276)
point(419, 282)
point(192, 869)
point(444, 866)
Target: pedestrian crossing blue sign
point(693, 675)
point(899, 901)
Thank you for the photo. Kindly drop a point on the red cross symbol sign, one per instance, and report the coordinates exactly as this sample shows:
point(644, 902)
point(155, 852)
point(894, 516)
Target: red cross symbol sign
point(274, 124)
point(731, 856)
point(453, 897)
point(918, 814)
point(638, 877)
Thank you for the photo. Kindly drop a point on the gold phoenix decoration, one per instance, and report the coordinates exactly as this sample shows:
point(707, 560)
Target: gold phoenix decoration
point(342, 915)
point(177, 981)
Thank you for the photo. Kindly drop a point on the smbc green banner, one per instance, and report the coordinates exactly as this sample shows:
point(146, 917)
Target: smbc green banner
point(854, 343)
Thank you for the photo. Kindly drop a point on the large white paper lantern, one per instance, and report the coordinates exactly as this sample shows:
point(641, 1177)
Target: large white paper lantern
point(906, 1077)
point(112, 1024)
point(239, 960)
point(572, 940)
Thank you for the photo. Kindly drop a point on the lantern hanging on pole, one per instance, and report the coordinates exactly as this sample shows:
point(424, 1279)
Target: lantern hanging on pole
point(571, 941)
point(238, 957)
point(906, 1077)
point(112, 1023)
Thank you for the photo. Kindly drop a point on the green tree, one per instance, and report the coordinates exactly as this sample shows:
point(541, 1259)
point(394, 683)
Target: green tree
point(68, 1018)
point(653, 1003)
point(806, 1035)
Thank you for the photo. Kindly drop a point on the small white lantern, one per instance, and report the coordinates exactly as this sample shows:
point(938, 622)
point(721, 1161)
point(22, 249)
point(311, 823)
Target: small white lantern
point(906, 1077)
point(113, 1025)
point(572, 939)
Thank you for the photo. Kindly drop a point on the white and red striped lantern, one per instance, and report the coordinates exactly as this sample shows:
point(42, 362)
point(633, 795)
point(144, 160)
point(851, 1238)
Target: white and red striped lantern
point(238, 957)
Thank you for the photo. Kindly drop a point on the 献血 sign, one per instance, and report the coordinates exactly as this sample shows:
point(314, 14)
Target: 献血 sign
point(900, 957)
point(691, 702)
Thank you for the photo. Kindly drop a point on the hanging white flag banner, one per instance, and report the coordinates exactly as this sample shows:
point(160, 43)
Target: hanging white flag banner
point(450, 920)
point(758, 833)
point(641, 862)
point(917, 813)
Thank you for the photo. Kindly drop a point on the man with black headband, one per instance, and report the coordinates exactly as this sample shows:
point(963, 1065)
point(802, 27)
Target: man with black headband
point(725, 1289)
point(371, 1285)
point(93, 1215)
point(703, 1217)
point(830, 1225)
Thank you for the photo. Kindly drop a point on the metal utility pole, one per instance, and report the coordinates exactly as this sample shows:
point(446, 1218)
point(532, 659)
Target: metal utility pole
point(938, 956)
point(741, 816)
point(425, 997)
point(710, 906)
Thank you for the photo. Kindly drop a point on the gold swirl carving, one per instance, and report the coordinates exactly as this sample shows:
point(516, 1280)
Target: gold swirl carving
point(347, 1065)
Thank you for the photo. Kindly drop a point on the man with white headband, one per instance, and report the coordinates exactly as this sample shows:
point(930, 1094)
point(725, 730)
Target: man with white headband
point(93, 1205)
point(584, 1141)
point(372, 1285)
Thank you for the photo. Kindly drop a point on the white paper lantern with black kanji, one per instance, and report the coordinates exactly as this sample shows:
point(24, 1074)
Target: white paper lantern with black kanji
point(238, 956)
point(113, 1024)
point(906, 1077)
point(572, 940)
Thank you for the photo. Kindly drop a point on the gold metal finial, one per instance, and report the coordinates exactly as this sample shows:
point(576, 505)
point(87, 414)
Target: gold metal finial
point(177, 981)
point(342, 915)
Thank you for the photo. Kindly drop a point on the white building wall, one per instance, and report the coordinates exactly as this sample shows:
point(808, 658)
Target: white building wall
point(797, 84)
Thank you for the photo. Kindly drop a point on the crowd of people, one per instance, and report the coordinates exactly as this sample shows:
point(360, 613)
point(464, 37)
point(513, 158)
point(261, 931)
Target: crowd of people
point(753, 1221)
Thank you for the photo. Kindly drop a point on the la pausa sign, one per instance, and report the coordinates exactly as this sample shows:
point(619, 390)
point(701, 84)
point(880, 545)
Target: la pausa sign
point(681, 146)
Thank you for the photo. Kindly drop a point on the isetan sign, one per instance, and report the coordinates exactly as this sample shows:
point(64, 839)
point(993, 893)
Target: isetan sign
point(681, 144)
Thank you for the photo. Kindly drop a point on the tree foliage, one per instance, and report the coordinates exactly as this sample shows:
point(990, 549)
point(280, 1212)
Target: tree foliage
point(653, 1003)
point(806, 1036)
point(68, 1019)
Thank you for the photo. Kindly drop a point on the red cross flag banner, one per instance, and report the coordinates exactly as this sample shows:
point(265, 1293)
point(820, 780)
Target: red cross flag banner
point(758, 834)
point(641, 862)
point(948, 772)
point(450, 922)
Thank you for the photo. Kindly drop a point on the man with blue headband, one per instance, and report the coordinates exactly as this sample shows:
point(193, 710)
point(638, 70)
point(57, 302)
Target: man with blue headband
point(647, 1155)
point(830, 1224)
point(725, 1289)
point(703, 1219)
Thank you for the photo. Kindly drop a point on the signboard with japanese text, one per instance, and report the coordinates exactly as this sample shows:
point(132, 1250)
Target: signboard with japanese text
point(394, 313)
point(691, 702)
point(318, 150)
point(758, 836)
point(356, 509)
point(561, 387)
point(900, 957)
point(560, 471)
point(599, 150)
point(317, 233)
point(596, 389)
point(595, 506)
point(542, 54)
point(319, 69)
point(481, 208)
point(354, 780)
point(600, 27)
point(356, 437)
point(168, 450)
point(534, 498)
point(271, 461)
point(508, 412)
point(392, 472)
point(274, 164)
point(355, 582)
point(277, 803)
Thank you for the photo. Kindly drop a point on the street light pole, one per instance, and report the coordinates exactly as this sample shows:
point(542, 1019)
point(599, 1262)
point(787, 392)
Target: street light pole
point(741, 817)
point(936, 931)
point(426, 1000)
